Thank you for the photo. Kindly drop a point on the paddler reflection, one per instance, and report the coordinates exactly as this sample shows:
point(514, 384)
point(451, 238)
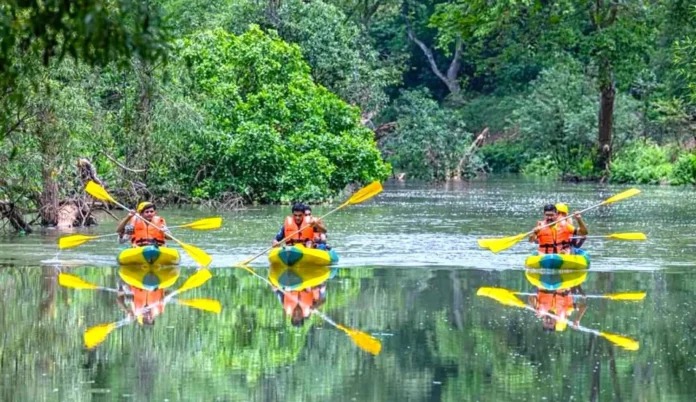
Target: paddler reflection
point(558, 295)
point(300, 289)
point(142, 290)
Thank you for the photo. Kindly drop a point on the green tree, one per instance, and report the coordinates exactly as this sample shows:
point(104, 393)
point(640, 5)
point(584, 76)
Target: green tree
point(273, 135)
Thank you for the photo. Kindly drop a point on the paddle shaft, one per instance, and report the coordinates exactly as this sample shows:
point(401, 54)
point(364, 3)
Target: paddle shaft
point(148, 222)
point(587, 296)
point(291, 235)
point(557, 318)
point(563, 219)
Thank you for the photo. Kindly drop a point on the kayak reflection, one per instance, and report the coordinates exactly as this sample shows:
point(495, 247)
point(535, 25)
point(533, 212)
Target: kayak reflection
point(561, 295)
point(560, 302)
point(300, 289)
point(142, 290)
point(142, 295)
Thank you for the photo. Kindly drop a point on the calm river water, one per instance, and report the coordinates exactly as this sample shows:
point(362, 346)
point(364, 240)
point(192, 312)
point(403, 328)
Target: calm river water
point(408, 274)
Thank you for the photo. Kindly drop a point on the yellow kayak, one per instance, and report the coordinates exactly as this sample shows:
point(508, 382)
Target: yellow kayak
point(148, 277)
point(579, 260)
point(299, 276)
point(299, 254)
point(148, 255)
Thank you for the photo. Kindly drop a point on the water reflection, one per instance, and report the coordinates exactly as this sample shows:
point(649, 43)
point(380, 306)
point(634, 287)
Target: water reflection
point(560, 302)
point(141, 293)
point(300, 289)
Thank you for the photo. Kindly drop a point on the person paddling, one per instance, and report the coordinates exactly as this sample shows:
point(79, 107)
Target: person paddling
point(556, 239)
point(562, 209)
point(144, 234)
point(319, 231)
point(299, 227)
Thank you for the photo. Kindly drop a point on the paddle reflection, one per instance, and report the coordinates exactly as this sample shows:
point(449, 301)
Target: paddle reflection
point(142, 294)
point(559, 301)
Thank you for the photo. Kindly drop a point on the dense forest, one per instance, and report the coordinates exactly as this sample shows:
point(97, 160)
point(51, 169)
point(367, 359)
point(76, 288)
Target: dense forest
point(236, 101)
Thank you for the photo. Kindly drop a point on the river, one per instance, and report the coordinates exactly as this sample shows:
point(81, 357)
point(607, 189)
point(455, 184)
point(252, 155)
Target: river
point(408, 274)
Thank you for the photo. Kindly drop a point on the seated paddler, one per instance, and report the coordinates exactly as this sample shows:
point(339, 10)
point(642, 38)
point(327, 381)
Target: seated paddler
point(298, 228)
point(556, 238)
point(143, 234)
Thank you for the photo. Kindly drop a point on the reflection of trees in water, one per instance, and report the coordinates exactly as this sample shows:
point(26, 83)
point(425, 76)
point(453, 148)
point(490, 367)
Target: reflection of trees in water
point(444, 343)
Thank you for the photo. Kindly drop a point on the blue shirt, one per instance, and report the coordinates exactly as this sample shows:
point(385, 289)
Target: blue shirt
point(281, 234)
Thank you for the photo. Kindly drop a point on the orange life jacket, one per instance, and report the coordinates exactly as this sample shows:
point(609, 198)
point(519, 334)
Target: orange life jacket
point(144, 298)
point(554, 239)
point(290, 227)
point(304, 298)
point(560, 304)
point(146, 234)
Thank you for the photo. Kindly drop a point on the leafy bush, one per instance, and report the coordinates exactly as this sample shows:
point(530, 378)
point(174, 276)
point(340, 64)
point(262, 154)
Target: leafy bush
point(504, 156)
point(642, 162)
point(684, 171)
point(543, 166)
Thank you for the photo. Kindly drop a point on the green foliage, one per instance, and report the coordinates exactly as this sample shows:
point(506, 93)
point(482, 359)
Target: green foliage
point(95, 31)
point(641, 162)
point(543, 166)
point(430, 141)
point(684, 170)
point(273, 134)
point(504, 156)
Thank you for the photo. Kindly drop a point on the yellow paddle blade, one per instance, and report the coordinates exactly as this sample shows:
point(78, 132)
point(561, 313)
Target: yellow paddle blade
point(634, 296)
point(96, 335)
point(196, 280)
point(620, 340)
point(200, 256)
point(622, 196)
point(365, 193)
point(74, 240)
point(628, 236)
point(75, 282)
point(498, 245)
point(211, 305)
point(500, 295)
point(486, 243)
point(204, 224)
point(364, 341)
point(97, 191)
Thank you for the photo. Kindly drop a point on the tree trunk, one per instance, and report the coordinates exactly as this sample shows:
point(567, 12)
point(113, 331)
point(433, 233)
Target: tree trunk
point(48, 200)
point(606, 120)
point(14, 216)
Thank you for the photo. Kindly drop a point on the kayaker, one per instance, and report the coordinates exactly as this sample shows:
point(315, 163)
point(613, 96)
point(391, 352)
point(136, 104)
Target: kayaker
point(319, 230)
point(556, 239)
point(144, 234)
point(562, 209)
point(299, 227)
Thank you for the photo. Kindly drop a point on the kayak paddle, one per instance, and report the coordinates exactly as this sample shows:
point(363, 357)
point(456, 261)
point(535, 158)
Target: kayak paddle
point(200, 256)
point(79, 239)
point(617, 236)
point(361, 195)
point(97, 334)
point(361, 339)
point(508, 298)
point(500, 244)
